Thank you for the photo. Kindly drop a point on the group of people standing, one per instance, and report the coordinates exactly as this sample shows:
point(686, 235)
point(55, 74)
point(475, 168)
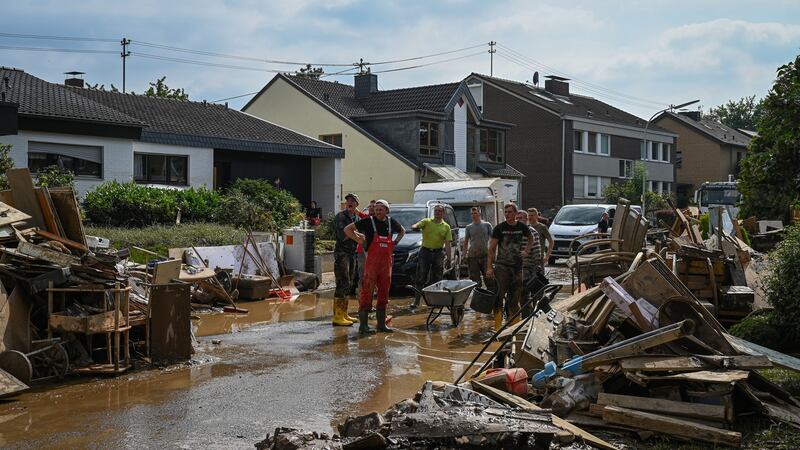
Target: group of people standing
point(508, 256)
point(504, 257)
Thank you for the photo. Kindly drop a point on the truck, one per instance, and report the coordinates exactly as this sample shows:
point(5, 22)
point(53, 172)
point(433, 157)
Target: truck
point(488, 194)
point(718, 193)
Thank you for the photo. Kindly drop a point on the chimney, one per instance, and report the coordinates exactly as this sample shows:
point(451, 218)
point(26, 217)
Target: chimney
point(365, 83)
point(694, 115)
point(74, 79)
point(556, 85)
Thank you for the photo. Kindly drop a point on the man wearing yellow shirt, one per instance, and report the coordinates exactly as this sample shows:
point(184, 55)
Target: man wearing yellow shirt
point(436, 249)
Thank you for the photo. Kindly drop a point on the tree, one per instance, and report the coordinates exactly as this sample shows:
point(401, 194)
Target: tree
point(743, 113)
point(6, 163)
point(631, 190)
point(160, 89)
point(769, 177)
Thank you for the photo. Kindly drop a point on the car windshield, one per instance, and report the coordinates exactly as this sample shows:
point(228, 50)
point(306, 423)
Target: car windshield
point(464, 214)
point(719, 197)
point(408, 216)
point(588, 215)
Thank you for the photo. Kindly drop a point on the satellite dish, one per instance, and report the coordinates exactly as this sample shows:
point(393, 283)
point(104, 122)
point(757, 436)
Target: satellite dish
point(536, 78)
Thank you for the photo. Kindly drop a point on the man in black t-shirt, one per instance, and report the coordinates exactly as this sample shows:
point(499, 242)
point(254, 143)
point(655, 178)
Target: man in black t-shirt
point(374, 233)
point(507, 252)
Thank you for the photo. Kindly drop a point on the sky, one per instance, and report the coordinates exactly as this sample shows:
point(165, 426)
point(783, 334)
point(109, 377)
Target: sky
point(637, 55)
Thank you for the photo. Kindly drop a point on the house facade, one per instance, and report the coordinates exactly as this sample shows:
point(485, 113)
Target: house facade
point(394, 139)
point(102, 136)
point(570, 147)
point(709, 150)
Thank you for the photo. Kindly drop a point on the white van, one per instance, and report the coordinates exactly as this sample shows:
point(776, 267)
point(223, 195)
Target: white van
point(575, 220)
point(488, 194)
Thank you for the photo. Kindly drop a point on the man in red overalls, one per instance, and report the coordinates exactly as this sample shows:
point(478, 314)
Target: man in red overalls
point(374, 233)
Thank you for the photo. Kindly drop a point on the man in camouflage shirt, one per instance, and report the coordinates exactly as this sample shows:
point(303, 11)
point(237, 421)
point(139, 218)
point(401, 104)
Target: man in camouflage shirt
point(344, 260)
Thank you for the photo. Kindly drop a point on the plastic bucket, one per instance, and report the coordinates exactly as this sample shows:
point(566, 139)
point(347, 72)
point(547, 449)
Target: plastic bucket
point(483, 300)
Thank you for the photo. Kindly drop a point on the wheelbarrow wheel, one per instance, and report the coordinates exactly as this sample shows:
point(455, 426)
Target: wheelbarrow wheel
point(456, 314)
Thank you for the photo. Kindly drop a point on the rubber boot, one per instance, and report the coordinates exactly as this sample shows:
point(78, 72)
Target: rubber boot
point(381, 316)
point(346, 315)
point(339, 308)
point(498, 319)
point(363, 325)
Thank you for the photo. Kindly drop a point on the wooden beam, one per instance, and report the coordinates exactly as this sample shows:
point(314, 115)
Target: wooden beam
point(695, 410)
point(777, 358)
point(668, 363)
point(70, 244)
point(670, 425)
point(24, 196)
point(9, 215)
point(44, 253)
point(519, 402)
point(705, 376)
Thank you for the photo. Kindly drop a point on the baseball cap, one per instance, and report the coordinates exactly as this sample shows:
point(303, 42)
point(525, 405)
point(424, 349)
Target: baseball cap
point(353, 196)
point(382, 202)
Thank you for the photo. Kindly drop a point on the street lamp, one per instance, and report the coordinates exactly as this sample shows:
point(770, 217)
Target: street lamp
point(647, 151)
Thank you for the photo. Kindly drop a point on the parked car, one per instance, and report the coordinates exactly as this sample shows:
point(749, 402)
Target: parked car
point(575, 220)
point(406, 254)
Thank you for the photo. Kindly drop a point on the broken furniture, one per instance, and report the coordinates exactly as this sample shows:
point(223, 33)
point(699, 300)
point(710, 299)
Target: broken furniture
point(447, 295)
point(91, 311)
point(594, 256)
point(170, 333)
point(49, 359)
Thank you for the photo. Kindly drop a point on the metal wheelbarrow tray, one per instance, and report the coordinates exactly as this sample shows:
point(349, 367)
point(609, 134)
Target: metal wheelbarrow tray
point(447, 294)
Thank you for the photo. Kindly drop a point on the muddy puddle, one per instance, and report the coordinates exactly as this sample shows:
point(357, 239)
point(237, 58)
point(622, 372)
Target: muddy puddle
point(280, 365)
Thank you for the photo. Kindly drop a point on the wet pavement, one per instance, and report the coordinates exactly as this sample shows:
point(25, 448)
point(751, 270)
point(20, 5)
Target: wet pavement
point(280, 365)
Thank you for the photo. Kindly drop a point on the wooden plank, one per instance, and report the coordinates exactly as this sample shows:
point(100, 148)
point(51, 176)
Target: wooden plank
point(9, 215)
point(166, 271)
point(705, 376)
point(692, 363)
point(49, 214)
point(15, 313)
point(670, 407)
point(72, 245)
point(25, 198)
point(777, 358)
point(670, 425)
point(66, 203)
point(519, 402)
point(10, 385)
point(44, 253)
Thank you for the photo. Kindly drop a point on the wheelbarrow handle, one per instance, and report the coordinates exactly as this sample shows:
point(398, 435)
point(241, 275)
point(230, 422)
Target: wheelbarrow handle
point(414, 288)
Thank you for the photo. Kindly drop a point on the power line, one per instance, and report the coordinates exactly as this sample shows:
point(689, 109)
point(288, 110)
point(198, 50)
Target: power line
point(235, 97)
point(56, 38)
point(417, 66)
point(427, 56)
point(206, 63)
point(56, 50)
point(576, 80)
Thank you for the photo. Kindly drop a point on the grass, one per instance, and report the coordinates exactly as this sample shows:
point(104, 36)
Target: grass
point(323, 246)
point(160, 238)
point(787, 379)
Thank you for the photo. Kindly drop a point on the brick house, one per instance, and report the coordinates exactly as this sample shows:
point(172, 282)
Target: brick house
point(569, 146)
point(709, 150)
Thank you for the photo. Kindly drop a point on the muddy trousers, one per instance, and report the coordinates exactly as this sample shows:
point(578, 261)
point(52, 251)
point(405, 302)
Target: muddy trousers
point(509, 288)
point(343, 269)
point(377, 275)
point(361, 258)
point(430, 267)
point(476, 266)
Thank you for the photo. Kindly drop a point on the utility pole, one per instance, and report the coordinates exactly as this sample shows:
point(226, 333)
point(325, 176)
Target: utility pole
point(492, 51)
point(125, 53)
point(361, 66)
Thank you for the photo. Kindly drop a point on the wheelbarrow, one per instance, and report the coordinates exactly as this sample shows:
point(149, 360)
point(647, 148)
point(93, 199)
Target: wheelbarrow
point(49, 359)
point(446, 294)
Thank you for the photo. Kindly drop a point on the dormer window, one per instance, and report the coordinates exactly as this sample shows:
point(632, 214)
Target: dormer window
point(429, 138)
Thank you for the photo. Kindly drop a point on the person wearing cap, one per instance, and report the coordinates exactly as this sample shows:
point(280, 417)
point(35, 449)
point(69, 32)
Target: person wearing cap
point(375, 233)
point(344, 260)
point(436, 236)
point(361, 255)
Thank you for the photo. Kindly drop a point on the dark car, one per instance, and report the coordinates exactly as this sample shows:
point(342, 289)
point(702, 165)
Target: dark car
point(406, 254)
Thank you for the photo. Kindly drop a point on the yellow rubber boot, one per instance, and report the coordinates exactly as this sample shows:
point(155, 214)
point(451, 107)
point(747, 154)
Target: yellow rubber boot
point(346, 315)
point(339, 310)
point(498, 318)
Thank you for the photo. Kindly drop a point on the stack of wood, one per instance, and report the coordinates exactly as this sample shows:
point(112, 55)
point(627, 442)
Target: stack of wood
point(641, 352)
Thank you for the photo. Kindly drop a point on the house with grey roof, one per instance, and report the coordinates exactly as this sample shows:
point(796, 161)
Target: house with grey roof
point(709, 150)
point(570, 146)
point(395, 138)
point(102, 136)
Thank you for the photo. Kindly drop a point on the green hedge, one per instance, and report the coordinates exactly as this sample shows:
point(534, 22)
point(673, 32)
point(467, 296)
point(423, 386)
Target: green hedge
point(160, 238)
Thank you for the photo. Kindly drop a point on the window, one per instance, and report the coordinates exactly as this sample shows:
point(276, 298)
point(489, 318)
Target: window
point(666, 152)
point(333, 139)
point(654, 149)
point(429, 138)
point(579, 186)
point(625, 168)
point(82, 160)
point(589, 186)
point(605, 144)
point(161, 169)
point(491, 148)
point(577, 138)
point(592, 143)
point(450, 218)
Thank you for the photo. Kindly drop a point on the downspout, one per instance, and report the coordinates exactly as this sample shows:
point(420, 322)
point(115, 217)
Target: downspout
point(563, 165)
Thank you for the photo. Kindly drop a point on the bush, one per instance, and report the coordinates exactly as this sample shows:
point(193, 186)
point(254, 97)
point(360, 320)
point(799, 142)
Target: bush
point(134, 205)
point(782, 285)
point(757, 328)
point(160, 238)
point(267, 208)
point(54, 176)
